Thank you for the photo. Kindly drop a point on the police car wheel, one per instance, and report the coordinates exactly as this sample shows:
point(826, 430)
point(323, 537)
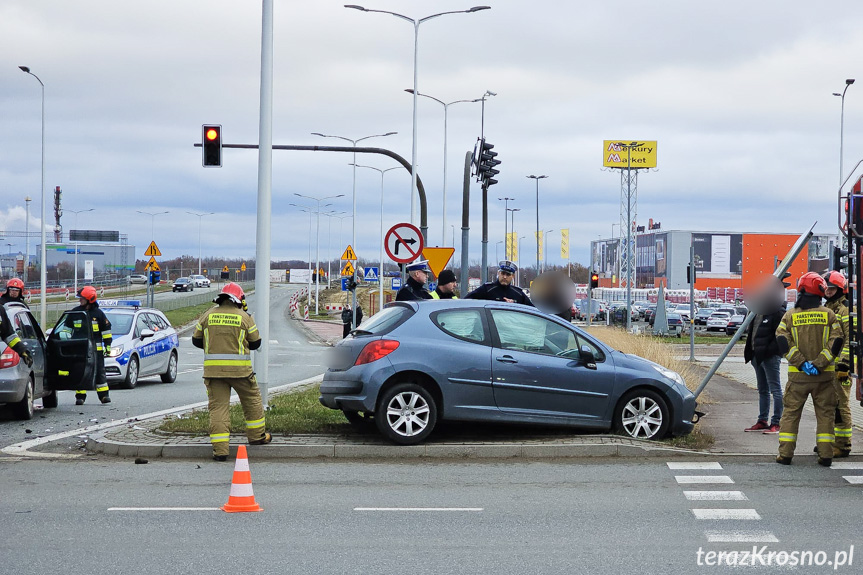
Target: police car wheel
point(406, 414)
point(171, 375)
point(24, 409)
point(131, 373)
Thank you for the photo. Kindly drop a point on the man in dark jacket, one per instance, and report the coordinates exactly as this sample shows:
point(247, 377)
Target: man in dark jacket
point(418, 275)
point(446, 284)
point(763, 351)
point(502, 289)
point(347, 318)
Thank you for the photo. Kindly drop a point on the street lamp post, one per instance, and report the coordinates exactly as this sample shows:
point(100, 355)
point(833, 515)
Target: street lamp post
point(318, 242)
point(848, 82)
point(331, 215)
point(496, 252)
point(512, 211)
point(537, 178)
point(354, 202)
point(416, 24)
point(518, 277)
point(381, 271)
point(505, 230)
point(200, 218)
point(446, 106)
point(151, 289)
point(43, 272)
point(76, 212)
point(27, 201)
point(545, 250)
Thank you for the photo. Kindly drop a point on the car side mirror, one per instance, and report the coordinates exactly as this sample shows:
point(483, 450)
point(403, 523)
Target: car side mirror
point(145, 333)
point(587, 357)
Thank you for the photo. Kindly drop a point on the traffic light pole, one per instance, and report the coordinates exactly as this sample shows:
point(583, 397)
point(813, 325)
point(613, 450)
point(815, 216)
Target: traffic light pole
point(779, 274)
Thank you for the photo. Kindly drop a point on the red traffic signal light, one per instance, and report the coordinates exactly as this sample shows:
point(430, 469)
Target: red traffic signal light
point(594, 280)
point(212, 145)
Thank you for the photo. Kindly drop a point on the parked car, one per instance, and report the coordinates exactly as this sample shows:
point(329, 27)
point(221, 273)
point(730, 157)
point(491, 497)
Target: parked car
point(641, 306)
point(415, 363)
point(649, 313)
point(718, 321)
point(703, 314)
point(733, 323)
point(200, 281)
point(21, 385)
point(137, 279)
point(144, 343)
point(676, 324)
point(183, 284)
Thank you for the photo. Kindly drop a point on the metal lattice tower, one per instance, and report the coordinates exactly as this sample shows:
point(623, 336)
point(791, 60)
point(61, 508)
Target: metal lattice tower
point(628, 211)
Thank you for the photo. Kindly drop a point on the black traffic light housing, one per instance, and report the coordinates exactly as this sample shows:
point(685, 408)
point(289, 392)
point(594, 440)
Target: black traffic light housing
point(594, 280)
point(352, 283)
point(211, 138)
point(785, 276)
point(486, 162)
point(838, 254)
point(690, 274)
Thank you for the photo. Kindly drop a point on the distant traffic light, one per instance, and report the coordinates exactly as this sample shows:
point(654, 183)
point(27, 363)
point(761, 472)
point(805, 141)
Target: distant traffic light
point(486, 162)
point(838, 254)
point(784, 277)
point(594, 280)
point(690, 274)
point(212, 145)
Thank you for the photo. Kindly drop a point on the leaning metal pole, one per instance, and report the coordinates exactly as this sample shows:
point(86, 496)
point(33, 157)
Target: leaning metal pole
point(783, 267)
point(465, 227)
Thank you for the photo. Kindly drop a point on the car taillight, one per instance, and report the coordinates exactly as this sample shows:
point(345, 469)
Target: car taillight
point(376, 350)
point(9, 358)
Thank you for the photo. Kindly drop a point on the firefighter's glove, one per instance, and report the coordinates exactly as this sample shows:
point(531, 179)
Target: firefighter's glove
point(809, 369)
point(842, 371)
point(28, 359)
point(107, 351)
point(245, 307)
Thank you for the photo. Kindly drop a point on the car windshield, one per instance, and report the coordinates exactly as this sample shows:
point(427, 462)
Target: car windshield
point(121, 323)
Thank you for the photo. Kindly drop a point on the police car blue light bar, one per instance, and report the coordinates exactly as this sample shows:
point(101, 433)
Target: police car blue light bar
point(120, 303)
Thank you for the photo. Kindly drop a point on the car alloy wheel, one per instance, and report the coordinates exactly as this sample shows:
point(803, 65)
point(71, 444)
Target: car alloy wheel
point(170, 376)
point(24, 409)
point(406, 414)
point(131, 373)
point(643, 414)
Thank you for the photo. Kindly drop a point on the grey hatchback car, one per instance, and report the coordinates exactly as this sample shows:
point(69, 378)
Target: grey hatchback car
point(417, 363)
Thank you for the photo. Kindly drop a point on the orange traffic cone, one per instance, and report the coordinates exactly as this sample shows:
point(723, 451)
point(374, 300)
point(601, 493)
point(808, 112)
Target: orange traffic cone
point(242, 497)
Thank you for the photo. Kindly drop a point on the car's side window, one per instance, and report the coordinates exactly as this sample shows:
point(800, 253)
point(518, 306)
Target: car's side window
point(155, 322)
point(527, 332)
point(461, 323)
point(26, 328)
point(140, 325)
point(159, 321)
point(598, 354)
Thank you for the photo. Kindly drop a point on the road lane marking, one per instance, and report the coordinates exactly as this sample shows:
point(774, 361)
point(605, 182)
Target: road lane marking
point(703, 479)
point(274, 342)
point(846, 465)
point(22, 448)
point(853, 479)
point(694, 465)
point(164, 509)
point(418, 508)
point(715, 496)
point(738, 514)
point(740, 537)
point(193, 370)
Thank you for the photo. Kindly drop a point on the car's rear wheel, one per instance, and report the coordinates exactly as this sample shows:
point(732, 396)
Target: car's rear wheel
point(24, 409)
point(50, 401)
point(642, 414)
point(406, 414)
point(131, 373)
point(170, 376)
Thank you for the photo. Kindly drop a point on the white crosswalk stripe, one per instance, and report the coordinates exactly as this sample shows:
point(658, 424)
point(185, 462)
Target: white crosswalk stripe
point(683, 479)
point(715, 496)
point(846, 465)
point(678, 465)
point(853, 479)
point(738, 514)
point(740, 537)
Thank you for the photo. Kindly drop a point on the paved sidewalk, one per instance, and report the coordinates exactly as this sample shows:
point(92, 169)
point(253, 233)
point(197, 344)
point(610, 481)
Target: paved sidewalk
point(730, 401)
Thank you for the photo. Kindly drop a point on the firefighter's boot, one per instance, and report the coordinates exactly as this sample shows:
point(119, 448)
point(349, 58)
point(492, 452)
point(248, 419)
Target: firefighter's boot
point(103, 397)
point(80, 398)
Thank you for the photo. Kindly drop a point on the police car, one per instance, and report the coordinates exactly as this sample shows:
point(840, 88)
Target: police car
point(144, 344)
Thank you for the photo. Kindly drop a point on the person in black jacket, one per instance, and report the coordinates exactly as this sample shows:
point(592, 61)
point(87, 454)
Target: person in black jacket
point(762, 350)
point(100, 333)
point(502, 289)
point(418, 275)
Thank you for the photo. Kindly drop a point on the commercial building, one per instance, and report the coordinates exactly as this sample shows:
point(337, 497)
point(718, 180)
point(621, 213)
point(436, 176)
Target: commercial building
point(722, 259)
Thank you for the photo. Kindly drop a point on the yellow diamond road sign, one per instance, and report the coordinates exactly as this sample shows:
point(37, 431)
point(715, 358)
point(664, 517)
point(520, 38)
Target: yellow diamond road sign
point(152, 250)
point(348, 270)
point(349, 254)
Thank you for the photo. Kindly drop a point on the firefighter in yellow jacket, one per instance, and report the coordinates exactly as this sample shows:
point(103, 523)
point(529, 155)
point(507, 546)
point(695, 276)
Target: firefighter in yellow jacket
point(810, 336)
point(228, 334)
point(836, 292)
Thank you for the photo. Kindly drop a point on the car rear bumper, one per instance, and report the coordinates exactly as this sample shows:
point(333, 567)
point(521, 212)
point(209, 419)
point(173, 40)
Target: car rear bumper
point(11, 391)
point(355, 389)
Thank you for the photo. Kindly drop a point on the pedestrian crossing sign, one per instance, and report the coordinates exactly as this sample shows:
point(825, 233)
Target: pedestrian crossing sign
point(371, 274)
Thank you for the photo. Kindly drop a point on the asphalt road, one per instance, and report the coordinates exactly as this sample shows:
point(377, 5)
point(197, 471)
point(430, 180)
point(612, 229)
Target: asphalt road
point(293, 357)
point(591, 516)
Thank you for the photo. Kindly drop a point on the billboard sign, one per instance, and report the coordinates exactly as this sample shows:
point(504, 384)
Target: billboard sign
point(615, 155)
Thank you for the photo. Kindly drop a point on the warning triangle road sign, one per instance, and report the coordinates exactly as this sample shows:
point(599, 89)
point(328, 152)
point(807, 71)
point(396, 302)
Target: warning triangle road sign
point(438, 258)
point(153, 250)
point(349, 254)
point(348, 270)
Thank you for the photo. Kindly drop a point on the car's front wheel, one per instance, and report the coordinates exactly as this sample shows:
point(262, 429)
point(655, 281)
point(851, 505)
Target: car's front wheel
point(406, 414)
point(170, 376)
point(50, 401)
point(131, 373)
point(642, 414)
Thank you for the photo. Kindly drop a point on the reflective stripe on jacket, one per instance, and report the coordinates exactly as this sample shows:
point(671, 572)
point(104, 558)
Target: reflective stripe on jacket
point(810, 334)
point(226, 332)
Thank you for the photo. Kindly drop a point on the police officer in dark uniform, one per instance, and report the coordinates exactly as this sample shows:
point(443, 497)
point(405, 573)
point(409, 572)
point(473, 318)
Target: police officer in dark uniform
point(418, 274)
point(502, 289)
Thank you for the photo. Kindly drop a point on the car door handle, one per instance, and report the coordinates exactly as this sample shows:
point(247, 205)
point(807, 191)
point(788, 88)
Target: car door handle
point(506, 359)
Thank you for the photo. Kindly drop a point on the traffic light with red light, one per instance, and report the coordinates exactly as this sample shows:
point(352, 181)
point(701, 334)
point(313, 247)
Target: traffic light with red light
point(594, 280)
point(212, 145)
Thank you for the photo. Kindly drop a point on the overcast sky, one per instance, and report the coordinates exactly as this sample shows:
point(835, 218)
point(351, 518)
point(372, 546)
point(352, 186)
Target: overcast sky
point(738, 95)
